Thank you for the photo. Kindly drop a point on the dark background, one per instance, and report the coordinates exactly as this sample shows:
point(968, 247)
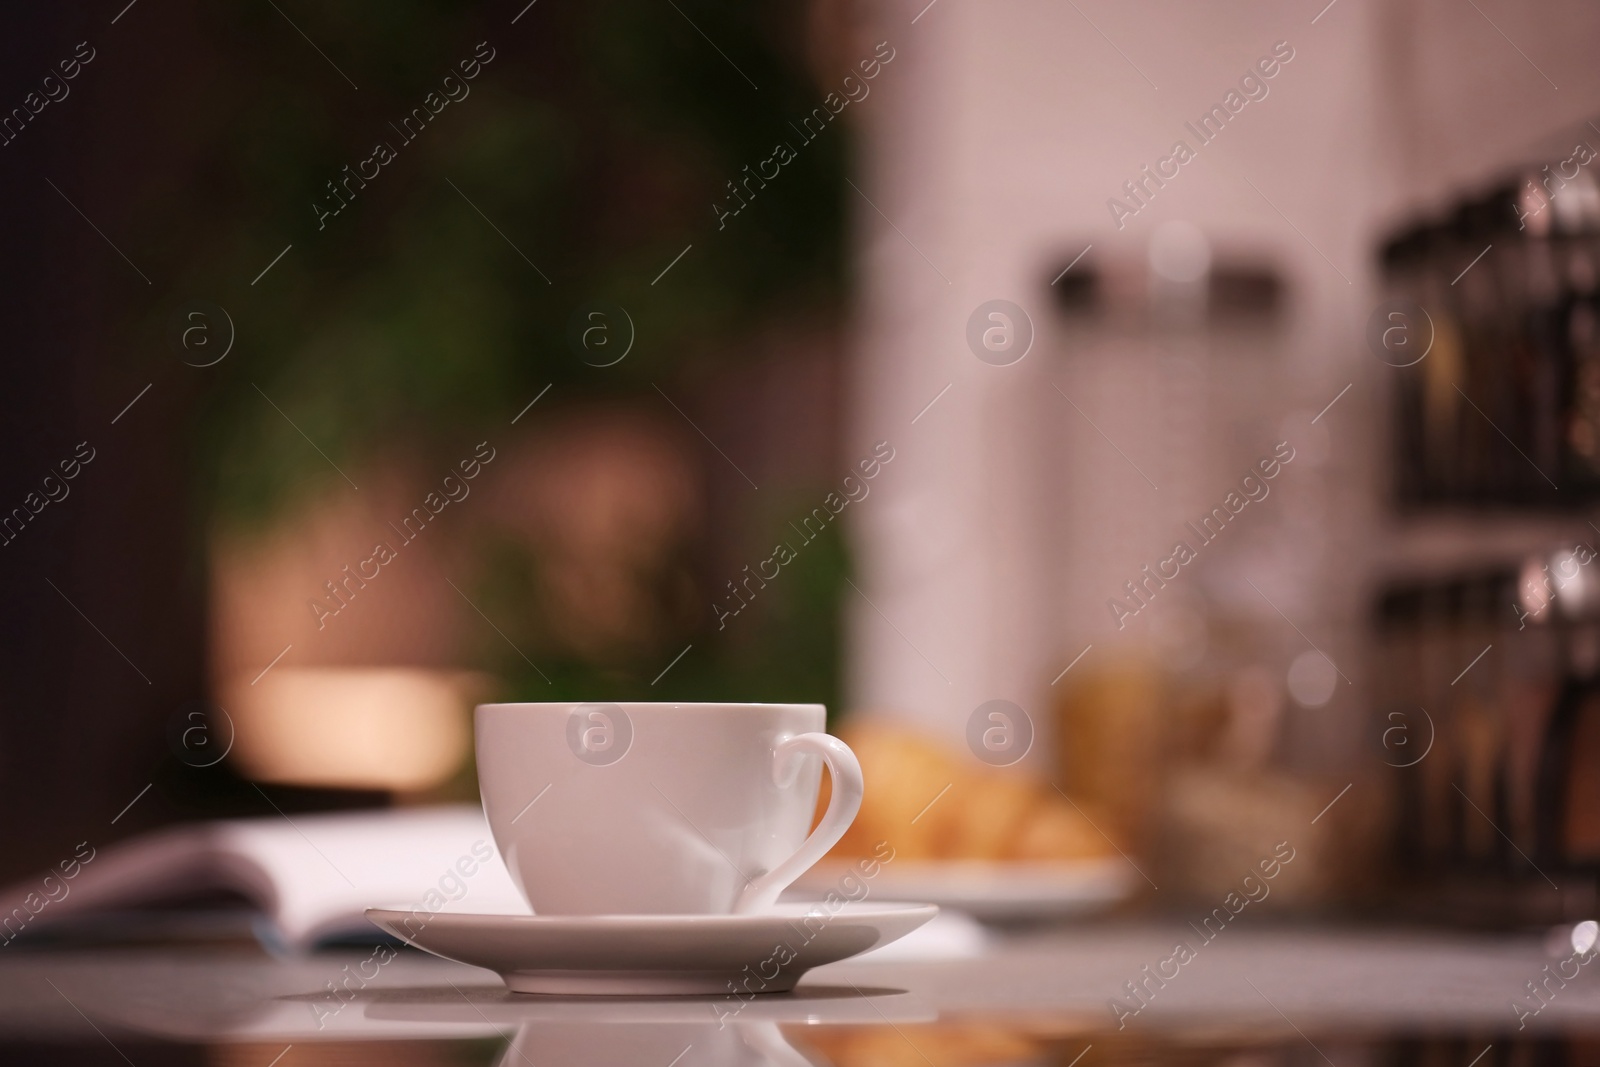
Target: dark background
point(196, 141)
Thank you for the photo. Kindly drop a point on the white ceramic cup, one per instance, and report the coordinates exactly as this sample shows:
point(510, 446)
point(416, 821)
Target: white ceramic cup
point(651, 809)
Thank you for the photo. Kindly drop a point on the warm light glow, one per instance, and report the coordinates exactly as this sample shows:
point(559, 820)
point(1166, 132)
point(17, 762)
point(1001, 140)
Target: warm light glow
point(355, 728)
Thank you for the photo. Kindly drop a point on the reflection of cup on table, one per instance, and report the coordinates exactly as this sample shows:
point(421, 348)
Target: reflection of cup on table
point(737, 1044)
point(559, 1031)
point(655, 809)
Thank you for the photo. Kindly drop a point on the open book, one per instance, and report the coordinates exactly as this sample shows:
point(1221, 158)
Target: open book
point(310, 876)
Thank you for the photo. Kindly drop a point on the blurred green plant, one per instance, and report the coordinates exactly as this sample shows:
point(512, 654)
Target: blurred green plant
point(783, 648)
point(596, 140)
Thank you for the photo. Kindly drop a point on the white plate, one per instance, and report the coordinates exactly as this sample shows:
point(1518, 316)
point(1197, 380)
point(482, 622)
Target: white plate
point(991, 890)
point(626, 955)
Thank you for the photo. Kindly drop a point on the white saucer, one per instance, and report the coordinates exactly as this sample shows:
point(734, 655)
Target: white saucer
point(651, 955)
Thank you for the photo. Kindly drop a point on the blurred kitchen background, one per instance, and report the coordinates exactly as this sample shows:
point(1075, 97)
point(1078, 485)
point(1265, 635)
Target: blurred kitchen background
point(1374, 274)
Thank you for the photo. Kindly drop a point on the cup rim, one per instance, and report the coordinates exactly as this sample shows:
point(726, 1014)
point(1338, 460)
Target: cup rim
point(645, 706)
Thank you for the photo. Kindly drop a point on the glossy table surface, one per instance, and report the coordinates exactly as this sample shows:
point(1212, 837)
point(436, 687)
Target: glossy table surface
point(1287, 994)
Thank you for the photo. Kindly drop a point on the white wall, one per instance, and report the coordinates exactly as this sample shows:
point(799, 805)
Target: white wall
point(992, 144)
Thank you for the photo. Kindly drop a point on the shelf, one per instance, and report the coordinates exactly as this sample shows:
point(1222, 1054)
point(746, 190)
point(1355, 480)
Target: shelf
point(1441, 543)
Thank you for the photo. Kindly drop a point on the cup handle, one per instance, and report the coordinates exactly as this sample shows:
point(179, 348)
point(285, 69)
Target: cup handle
point(762, 893)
